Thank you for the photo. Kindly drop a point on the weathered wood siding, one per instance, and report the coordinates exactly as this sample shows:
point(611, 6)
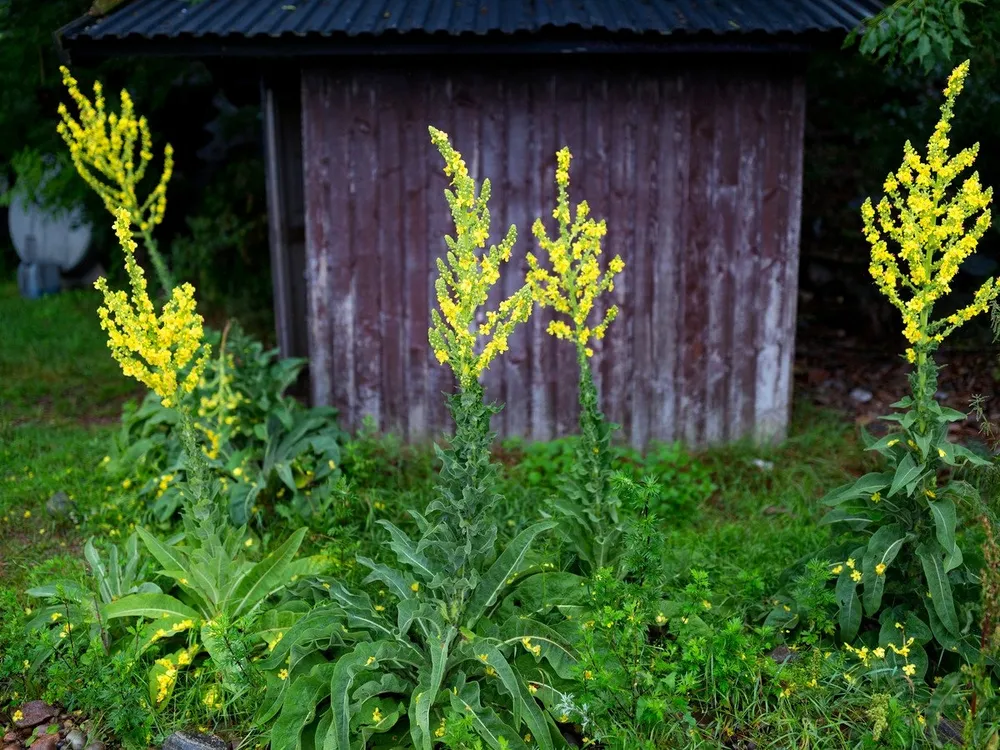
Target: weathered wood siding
point(697, 169)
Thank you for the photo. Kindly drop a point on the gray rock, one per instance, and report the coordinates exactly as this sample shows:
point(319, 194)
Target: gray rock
point(59, 505)
point(46, 742)
point(95, 746)
point(861, 395)
point(784, 655)
point(194, 741)
point(35, 713)
point(77, 739)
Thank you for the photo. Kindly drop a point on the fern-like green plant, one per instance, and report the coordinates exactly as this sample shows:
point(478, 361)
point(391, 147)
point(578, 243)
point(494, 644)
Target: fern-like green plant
point(442, 634)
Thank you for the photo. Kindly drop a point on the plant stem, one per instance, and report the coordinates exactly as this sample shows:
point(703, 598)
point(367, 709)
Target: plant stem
point(163, 277)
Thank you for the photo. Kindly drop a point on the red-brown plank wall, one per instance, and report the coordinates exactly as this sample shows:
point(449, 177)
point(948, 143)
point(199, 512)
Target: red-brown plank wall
point(697, 170)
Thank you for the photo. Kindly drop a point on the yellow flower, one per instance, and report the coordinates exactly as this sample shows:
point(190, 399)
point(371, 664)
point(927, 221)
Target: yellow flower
point(27, 514)
point(706, 603)
point(248, 543)
point(880, 569)
point(879, 652)
point(462, 334)
point(850, 563)
point(153, 349)
point(660, 618)
point(837, 569)
point(103, 148)
point(17, 716)
point(876, 497)
point(376, 715)
point(282, 674)
point(575, 281)
point(856, 576)
point(414, 587)
point(909, 669)
point(935, 230)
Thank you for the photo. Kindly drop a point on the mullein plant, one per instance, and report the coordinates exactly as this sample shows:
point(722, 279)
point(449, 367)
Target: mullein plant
point(102, 146)
point(456, 645)
point(218, 592)
point(902, 562)
point(572, 284)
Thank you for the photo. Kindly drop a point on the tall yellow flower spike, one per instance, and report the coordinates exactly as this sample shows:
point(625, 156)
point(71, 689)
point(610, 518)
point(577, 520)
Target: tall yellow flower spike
point(466, 276)
point(102, 146)
point(929, 228)
point(153, 349)
point(575, 281)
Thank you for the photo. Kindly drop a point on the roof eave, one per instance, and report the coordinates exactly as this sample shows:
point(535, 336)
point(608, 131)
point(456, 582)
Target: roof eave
point(315, 45)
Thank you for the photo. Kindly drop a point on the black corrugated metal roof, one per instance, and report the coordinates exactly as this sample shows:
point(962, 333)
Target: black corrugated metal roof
point(385, 19)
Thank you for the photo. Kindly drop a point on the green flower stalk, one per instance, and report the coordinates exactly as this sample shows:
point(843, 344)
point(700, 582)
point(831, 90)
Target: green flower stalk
point(571, 286)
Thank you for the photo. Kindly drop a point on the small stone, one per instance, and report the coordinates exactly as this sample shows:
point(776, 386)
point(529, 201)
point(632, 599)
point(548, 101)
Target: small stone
point(861, 395)
point(11, 747)
point(194, 741)
point(95, 746)
point(784, 655)
point(46, 742)
point(10, 737)
point(35, 713)
point(763, 465)
point(76, 739)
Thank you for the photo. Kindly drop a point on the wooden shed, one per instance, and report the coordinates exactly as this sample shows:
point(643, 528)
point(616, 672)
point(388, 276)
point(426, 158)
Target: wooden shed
point(685, 118)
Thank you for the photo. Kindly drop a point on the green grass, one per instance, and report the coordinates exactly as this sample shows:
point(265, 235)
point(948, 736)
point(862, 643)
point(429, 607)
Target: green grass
point(60, 398)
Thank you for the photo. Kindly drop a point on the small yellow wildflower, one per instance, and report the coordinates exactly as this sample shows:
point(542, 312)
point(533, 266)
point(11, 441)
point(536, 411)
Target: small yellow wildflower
point(706, 604)
point(837, 570)
point(879, 653)
point(17, 716)
point(27, 514)
point(856, 576)
point(414, 587)
point(909, 670)
point(248, 543)
point(660, 618)
point(282, 674)
point(876, 497)
point(880, 569)
point(371, 660)
point(376, 715)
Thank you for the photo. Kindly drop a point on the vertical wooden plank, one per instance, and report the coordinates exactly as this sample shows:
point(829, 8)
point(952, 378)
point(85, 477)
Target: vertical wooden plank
point(752, 101)
point(275, 176)
point(539, 176)
point(793, 213)
point(389, 229)
point(671, 212)
point(416, 167)
point(365, 261)
point(506, 133)
point(726, 158)
point(647, 124)
point(697, 249)
point(620, 240)
point(322, 255)
point(769, 411)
